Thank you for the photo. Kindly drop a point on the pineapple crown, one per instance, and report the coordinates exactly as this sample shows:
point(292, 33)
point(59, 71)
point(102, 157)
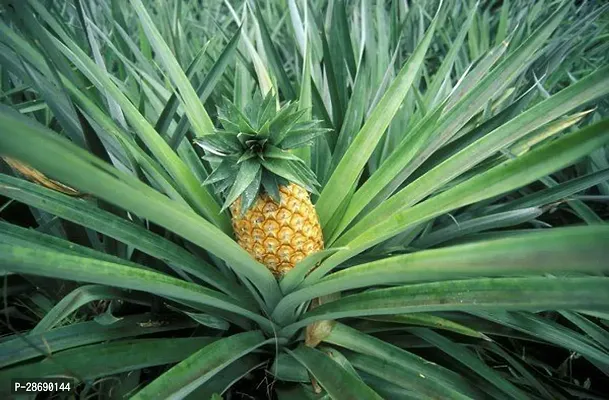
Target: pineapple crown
point(251, 154)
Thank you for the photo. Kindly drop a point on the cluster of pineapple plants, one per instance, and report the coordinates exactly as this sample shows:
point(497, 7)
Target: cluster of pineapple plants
point(305, 199)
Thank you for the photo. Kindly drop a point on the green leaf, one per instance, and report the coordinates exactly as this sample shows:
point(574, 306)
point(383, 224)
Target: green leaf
point(525, 372)
point(271, 186)
point(432, 321)
point(500, 179)
point(300, 392)
point(247, 155)
point(559, 192)
point(469, 81)
point(287, 170)
point(267, 110)
point(197, 196)
point(18, 348)
point(78, 298)
point(49, 84)
point(220, 144)
point(86, 214)
point(329, 61)
point(207, 86)
point(305, 97)
point(502, 28)
point(436, 378)
point(201, 366)
point(226, 169)
point(549, 331)
point(471, 295)
point(19, 236)
point(248, 171)
point(579, 207)
point(233, 119)
point(344, 39)
point(99, 360)
point(296, 275)
point(113, 105)
point(62, 266)
point(335, 380)
point(558, 250)
point(273, 56)
point(415, 381)
point(275, 152)
point(282, 125)
point(407, 156)
point(354, 115)
point(211, 321)
point(388, 390)
point(470, 360)
point(488, 222)
point(286, 368)
point(170, 110)
point(264, 80)
point(349, 168)
point(232, 374)
point(58, 102)
point(469, 137)
point(193, 107)
point(302, 136)
point(598, 334)
point(251, 192)
point(443, 73)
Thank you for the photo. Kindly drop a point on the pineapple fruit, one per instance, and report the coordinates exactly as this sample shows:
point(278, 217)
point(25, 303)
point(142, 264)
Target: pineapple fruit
point(265, 186)
point(279, 234)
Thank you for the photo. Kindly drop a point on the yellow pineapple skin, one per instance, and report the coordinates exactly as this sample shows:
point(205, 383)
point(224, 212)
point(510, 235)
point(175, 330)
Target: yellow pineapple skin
point(279, 235)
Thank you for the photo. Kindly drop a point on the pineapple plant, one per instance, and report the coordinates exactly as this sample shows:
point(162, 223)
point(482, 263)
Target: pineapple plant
point(305, 199)
point(267, 187)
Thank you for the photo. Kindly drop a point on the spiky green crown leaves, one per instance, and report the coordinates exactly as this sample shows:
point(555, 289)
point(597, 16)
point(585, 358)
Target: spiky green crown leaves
point(252, 151)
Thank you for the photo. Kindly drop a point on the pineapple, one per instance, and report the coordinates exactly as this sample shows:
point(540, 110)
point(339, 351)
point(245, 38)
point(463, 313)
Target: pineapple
point(265, 186)
point(279, 234)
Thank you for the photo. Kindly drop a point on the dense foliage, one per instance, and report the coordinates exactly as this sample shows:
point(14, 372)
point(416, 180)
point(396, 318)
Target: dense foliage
point(462, 157)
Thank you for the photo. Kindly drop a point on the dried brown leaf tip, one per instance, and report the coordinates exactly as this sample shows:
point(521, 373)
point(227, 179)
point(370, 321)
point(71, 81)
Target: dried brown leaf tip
point(38, 177)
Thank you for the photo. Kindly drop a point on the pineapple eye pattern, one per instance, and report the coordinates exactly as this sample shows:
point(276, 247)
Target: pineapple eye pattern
point(285, 235)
